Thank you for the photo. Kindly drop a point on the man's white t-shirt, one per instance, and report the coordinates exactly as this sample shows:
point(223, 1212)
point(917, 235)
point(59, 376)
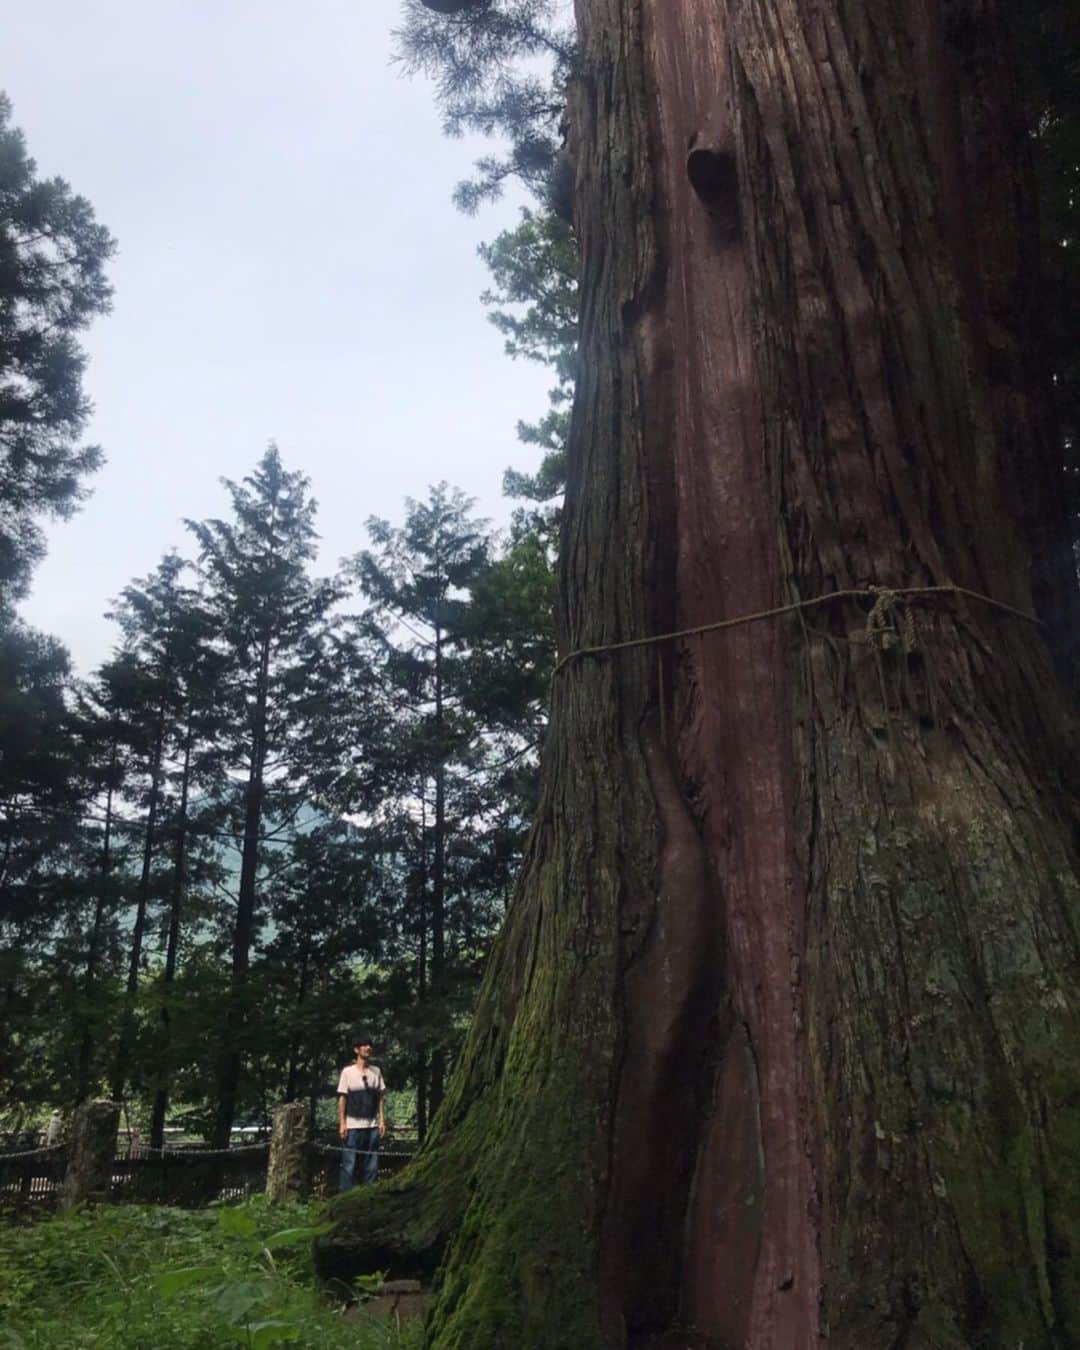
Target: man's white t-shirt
point(353, 1078)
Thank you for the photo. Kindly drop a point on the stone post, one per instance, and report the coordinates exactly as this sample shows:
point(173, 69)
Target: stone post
point(288, 1172)
point(91, 1152)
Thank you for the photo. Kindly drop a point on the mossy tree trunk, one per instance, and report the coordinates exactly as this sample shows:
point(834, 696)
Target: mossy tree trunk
point(780, 1037)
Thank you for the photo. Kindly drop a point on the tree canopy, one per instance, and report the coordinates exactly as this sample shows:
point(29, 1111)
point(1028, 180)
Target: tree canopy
point(53, 255)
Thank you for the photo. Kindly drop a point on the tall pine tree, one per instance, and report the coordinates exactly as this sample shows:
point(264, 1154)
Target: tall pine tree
point(459, 635)
point(271, 621)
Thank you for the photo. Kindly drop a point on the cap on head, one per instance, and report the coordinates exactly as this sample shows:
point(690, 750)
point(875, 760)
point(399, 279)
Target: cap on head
point(361, 1038)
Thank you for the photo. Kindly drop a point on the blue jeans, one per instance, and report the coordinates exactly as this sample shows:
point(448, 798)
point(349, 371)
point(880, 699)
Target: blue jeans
point(360, 1147)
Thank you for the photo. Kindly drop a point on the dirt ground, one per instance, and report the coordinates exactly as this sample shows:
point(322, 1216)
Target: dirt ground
point(401, 1298)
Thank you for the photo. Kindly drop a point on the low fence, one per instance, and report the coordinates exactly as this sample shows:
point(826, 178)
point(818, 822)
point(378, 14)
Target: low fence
point(39, 1180)
point(188, 1178)
point(324, 1161)
point(30, 1179)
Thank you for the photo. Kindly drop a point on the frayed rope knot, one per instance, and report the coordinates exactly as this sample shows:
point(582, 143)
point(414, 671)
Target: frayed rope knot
point(890, 622)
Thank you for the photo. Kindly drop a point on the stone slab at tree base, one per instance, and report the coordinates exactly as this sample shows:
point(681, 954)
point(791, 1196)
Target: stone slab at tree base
point(288, 1173)
point(396, 1298)
point(92, 1152)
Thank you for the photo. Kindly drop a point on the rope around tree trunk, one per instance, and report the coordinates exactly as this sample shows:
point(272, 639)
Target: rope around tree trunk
point(886, 600)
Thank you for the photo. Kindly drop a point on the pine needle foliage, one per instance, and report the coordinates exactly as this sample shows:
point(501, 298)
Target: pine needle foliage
point(500, 69)
point(52, 284)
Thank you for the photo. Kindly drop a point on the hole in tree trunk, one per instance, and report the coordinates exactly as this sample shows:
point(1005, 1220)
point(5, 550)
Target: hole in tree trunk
point(714, 178)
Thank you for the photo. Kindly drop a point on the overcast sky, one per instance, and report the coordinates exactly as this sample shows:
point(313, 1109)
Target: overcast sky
point(290, 268)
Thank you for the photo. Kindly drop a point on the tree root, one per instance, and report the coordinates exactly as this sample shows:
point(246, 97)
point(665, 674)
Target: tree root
point(399, 1227)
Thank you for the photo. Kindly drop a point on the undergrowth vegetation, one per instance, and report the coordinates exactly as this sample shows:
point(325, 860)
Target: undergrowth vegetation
point(135, 1277)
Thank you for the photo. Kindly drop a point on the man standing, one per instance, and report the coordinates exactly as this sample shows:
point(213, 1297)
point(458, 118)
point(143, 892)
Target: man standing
point(360, 1115)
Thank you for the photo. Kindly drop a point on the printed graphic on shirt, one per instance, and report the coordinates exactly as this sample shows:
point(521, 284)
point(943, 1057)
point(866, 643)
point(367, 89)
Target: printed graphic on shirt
point(361, 1089)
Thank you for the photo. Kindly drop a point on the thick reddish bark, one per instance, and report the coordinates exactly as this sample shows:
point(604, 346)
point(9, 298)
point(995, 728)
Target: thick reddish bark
point(780, 1039)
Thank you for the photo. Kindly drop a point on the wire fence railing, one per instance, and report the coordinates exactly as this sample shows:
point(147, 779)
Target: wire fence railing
point(31, 1180)
point(324, 1160)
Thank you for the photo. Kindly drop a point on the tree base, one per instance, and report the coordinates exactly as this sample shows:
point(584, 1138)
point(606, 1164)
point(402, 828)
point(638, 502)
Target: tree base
point(387, 1228)
point(399, 1226)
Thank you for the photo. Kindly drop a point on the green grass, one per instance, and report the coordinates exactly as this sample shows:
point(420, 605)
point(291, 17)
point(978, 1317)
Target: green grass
point(144, 1277)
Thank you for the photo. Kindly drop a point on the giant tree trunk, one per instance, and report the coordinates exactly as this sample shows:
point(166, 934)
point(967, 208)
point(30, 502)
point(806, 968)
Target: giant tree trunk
point(780, 1037)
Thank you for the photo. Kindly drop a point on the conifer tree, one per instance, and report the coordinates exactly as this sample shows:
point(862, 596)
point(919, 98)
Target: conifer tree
point(192, 836)
point(163, 634)
point(271, 621)
point(330, 924)
point(417, 578)
point(52, 284)
point(498, 70)
point(43, 789)
point(533, 303)
point(464, 658)
point(101, 882)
